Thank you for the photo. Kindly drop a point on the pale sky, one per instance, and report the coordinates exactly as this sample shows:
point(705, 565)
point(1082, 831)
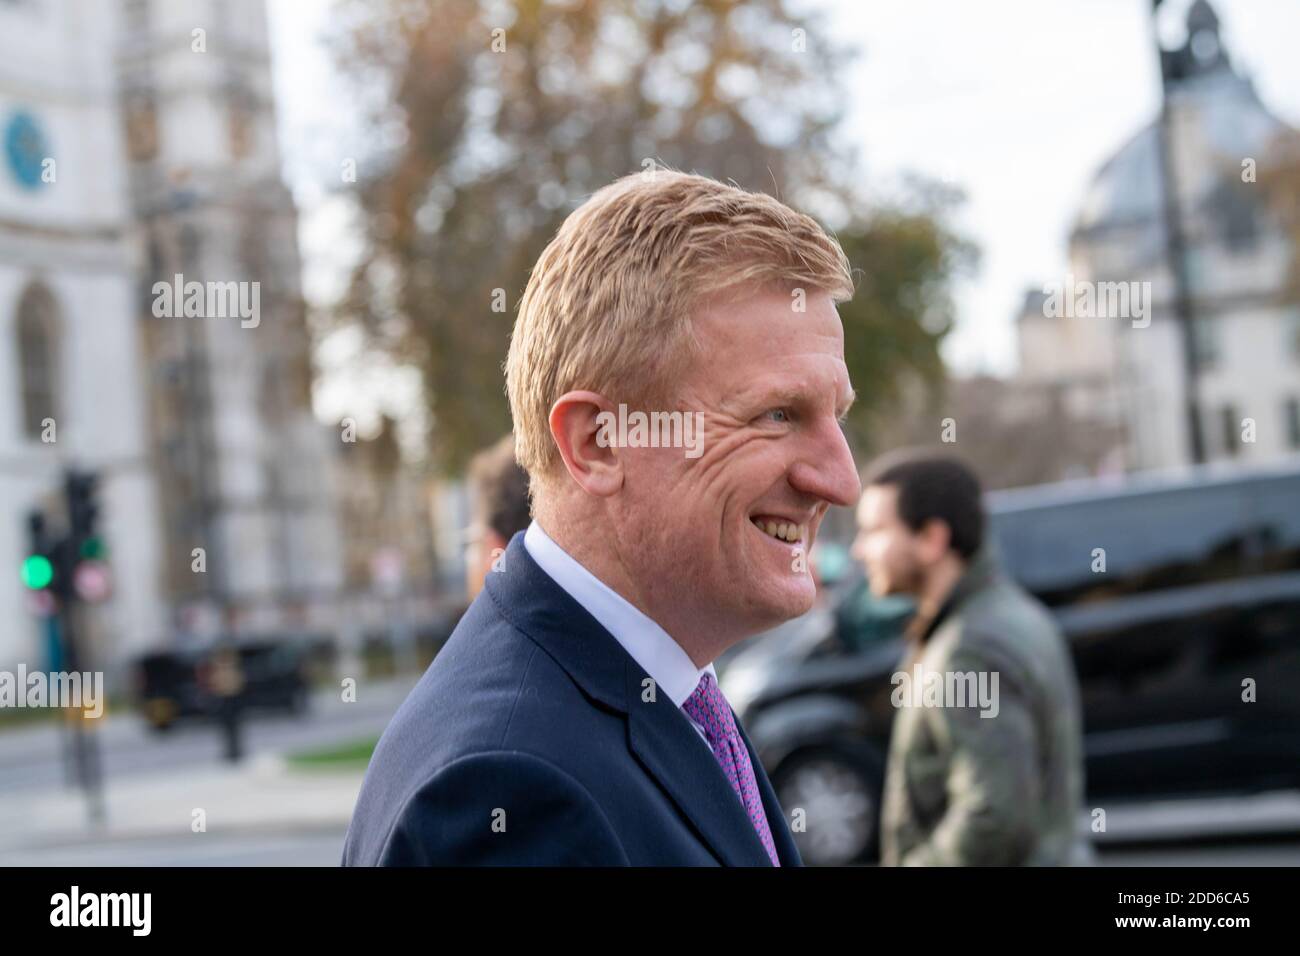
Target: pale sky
point(1018, 102)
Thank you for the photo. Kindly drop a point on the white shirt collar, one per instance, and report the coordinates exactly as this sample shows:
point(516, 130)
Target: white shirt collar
point(649, 644)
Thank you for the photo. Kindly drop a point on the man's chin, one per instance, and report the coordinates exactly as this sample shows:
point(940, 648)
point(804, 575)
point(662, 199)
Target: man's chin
point(787, 602)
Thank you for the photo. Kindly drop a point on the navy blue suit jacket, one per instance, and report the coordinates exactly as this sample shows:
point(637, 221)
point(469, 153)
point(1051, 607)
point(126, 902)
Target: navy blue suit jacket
point(528, 742)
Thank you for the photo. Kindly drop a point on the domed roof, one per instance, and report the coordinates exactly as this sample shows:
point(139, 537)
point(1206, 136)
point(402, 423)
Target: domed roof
point(1231, 123)
point(1127, 187)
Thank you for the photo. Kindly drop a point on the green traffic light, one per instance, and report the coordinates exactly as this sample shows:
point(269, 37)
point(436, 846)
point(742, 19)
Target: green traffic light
point(37, 571)
point(92, 548)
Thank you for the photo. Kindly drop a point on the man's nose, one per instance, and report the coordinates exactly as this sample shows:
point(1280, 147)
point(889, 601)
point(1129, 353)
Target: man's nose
point(826, 469)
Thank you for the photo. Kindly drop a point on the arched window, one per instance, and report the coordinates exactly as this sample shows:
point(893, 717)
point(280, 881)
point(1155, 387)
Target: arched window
point(37, 330)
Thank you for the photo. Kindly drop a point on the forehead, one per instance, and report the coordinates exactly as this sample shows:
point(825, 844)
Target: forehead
point(807, 317)
point(740, 333)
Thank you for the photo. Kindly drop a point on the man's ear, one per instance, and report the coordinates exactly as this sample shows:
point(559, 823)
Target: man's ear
point(585, 430)
point(936, 538)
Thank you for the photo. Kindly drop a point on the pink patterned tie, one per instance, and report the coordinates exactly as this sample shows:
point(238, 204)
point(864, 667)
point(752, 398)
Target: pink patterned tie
point(708, 708)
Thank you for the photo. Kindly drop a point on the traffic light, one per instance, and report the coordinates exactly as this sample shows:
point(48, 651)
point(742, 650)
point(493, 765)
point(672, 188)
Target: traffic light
point(88, 577)
point(82, 489)
point(37, 571)
point(71, 567)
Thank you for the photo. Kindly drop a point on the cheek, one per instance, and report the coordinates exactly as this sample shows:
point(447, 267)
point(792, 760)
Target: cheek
point(697, 506)
point(899, 555)
point(662, 502)
point(876, 550)
point(896, 559)
point(741, 463)
point(652, 485)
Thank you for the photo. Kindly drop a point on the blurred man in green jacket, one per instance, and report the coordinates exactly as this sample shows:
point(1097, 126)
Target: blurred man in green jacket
point(985, 760)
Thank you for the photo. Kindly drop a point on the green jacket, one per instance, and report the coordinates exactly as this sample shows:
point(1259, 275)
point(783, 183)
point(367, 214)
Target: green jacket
point(963, 789)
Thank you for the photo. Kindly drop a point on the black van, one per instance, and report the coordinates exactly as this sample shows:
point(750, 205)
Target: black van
point(176, 684)
point(1180, 597)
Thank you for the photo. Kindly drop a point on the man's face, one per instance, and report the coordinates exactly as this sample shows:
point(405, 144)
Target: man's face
point(886, 547)
point(726, 535)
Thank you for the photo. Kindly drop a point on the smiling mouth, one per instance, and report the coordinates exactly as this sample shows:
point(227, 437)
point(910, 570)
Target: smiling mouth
point(782, 530)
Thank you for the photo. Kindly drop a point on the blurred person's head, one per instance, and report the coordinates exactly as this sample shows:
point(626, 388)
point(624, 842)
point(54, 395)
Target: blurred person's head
point(672, 293)
point(920, 521)
point(499, 492)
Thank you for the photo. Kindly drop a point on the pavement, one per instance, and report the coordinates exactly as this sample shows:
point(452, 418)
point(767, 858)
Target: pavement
point(265, 811)
point(263, 799)
point(32, 757)
point(261, 811)
point(268, 812)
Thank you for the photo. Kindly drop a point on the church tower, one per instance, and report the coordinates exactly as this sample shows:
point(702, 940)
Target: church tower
point(244, 471)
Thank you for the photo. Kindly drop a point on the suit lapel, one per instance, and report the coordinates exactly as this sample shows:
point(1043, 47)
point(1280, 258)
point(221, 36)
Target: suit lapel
point(660, 736)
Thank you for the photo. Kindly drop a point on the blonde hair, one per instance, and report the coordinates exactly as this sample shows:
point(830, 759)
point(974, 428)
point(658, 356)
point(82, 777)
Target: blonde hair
point(609, 303)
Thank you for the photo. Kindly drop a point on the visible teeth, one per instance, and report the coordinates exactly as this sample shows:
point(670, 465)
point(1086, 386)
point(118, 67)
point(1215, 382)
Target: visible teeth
point(781, 530)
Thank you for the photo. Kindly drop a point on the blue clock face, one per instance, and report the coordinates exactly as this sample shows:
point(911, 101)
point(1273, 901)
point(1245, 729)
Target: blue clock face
point(26, 149)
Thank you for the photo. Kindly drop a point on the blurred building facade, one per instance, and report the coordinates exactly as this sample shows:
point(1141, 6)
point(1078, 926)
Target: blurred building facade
point(390, 566)
point(140, 147)
point(1247, 333)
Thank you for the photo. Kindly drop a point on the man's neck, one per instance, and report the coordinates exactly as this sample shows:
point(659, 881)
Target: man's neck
point(938, 585)
point(610, 570)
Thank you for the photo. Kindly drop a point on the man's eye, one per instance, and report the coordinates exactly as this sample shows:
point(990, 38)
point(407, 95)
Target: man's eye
point(778, 415)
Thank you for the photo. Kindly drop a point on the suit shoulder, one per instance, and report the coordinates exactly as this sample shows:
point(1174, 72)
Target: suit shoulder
point(464, 699)
point(501, 807)
point(492, 699)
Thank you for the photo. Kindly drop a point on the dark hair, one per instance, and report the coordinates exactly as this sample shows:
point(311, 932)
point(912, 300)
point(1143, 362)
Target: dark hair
point(501, 488)
point(934, 485)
